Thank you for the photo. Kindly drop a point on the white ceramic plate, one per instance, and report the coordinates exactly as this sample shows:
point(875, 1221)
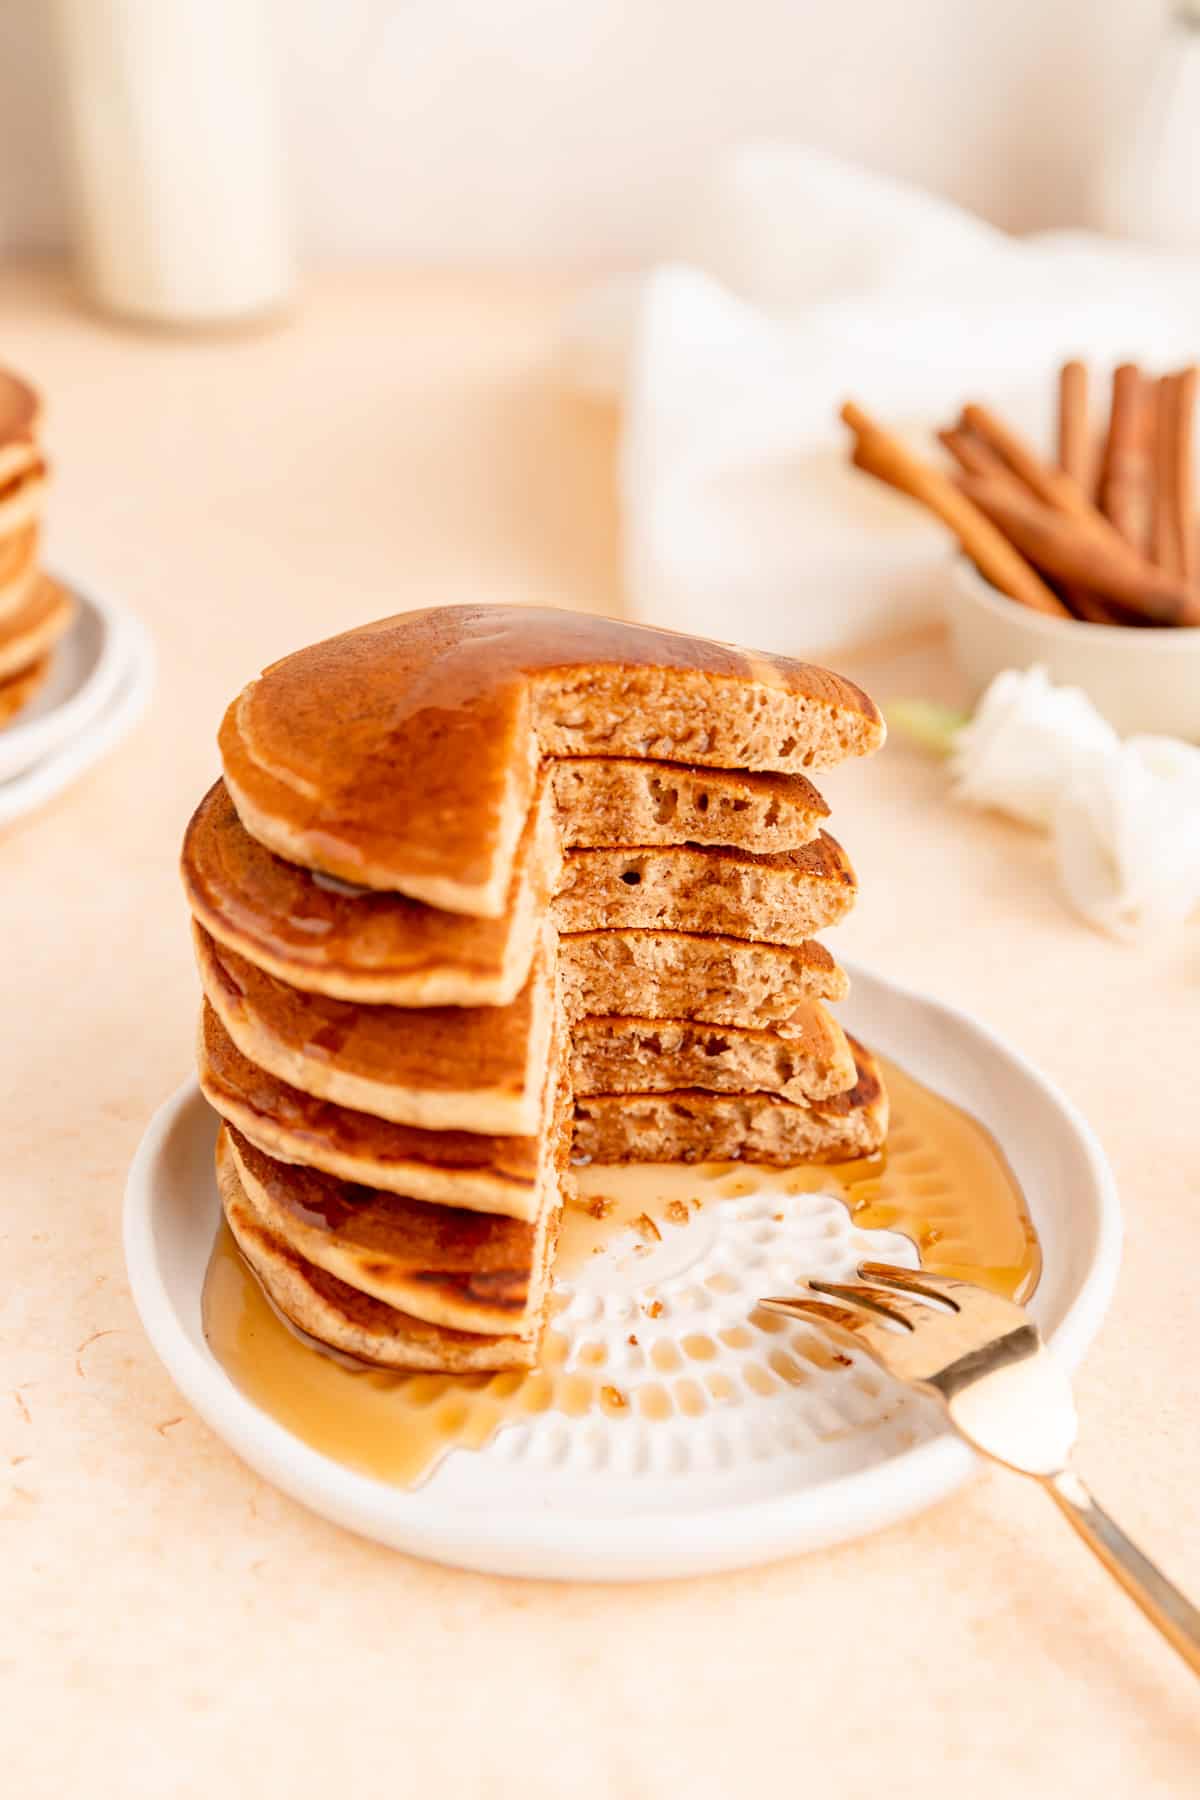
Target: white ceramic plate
point(607, 1498)
point(84, 675)
point(111, 653)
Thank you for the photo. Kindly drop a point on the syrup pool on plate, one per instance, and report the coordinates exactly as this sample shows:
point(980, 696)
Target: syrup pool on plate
point(653, 1314)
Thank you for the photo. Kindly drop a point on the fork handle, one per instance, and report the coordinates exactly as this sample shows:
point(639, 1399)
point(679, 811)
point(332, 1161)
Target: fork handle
point(1147, 1586)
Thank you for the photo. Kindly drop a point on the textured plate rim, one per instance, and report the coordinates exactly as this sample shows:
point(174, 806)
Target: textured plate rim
point(598, 1546)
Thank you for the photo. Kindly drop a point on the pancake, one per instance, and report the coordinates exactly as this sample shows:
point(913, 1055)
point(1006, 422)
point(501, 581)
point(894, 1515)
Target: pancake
point(467, 1271)
point(632, 1056)
point(472, 1068)
point(18, 690)
point(692, 1126)
point(506, 1175)
point(22, 494)
point(20, 458)
point(32, 629)
point(18, 569)
point(604, 800)
point(353, 1323)
point(402, 756)
point(353, 945)
point(20, 409)
point(779, 899)
point(682, 974)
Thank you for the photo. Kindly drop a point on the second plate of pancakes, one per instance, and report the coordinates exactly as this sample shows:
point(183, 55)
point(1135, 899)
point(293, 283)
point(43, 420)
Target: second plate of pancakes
point(99, 683)
point(618, 1497)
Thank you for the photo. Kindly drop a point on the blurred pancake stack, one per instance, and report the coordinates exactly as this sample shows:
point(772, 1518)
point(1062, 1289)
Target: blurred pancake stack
point(34, 610)
point(487, 887)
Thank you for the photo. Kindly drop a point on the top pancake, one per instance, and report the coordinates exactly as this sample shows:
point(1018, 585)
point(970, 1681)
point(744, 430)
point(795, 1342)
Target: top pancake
point(403, 755)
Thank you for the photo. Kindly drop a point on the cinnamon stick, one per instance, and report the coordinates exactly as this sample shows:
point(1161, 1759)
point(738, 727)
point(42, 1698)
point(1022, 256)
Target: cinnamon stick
point(973, 456)
point(1126, 482)
point(1183, 422)
point(1167, 548)
point(1061, 549)
point(881, 455)
point(1076, 458)
point(1053, 486)
point(988, 446)
point(1074, 440)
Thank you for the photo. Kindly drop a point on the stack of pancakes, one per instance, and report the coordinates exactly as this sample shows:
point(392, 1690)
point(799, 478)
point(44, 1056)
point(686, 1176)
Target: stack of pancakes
point(485, 884)
point(34, 610)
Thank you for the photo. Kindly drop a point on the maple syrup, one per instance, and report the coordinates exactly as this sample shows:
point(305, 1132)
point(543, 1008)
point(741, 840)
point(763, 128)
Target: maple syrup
point(942, 1181)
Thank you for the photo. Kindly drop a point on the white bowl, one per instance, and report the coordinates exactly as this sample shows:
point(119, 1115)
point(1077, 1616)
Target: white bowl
point(1142, 679)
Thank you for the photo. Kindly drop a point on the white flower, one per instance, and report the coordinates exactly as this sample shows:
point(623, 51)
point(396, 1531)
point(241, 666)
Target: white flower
point(1125, 817)
point(1127, 837)
point(1026, 744)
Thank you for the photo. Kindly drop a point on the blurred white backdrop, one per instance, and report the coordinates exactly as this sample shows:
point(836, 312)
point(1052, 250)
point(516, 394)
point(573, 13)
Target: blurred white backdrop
point(550, 130)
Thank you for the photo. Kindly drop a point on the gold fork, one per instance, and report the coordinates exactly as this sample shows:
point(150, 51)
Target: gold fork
point(984, 1359)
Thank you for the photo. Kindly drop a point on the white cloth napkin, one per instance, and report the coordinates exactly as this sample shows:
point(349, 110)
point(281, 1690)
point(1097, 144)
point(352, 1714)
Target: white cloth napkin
point(1125, 817)
point(800, 281)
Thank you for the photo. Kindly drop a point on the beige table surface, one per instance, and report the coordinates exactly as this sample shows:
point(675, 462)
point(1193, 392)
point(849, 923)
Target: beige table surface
point(169, 1625)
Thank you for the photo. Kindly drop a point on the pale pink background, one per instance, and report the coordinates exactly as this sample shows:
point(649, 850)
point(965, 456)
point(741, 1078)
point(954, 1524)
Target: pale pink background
point(169, 1624)
point(538, 130)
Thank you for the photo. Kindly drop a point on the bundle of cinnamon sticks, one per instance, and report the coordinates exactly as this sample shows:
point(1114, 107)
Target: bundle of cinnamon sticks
point(1105, 531)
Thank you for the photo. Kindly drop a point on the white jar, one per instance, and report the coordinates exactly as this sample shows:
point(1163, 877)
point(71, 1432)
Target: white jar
point(175, 150)
point(1150, 185)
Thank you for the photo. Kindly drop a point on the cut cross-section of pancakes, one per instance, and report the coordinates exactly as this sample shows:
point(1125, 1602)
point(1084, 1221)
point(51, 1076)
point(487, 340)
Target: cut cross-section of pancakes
point(451, 708)
point(604, 800)
point(632, 1056)
point(485, 884)
point(685, 974)
point(691, 1125)
point(781, 898)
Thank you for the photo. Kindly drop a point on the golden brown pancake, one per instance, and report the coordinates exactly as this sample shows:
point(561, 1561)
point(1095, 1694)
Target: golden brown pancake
point(691, 1125)
point(16, 691)
point(355, 945)
point(454, 1168)
point(604, 800)
point(403, 755)
point(18, 569)
point(632, 1056)
point(20, 409)
point(778, 899)
point(467, 1271)
point(22, 493)
point(470, 1068)
point(685, 974)
point(378, 886)
point(22, 470)
point(353, 1323)
point(32, 629)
